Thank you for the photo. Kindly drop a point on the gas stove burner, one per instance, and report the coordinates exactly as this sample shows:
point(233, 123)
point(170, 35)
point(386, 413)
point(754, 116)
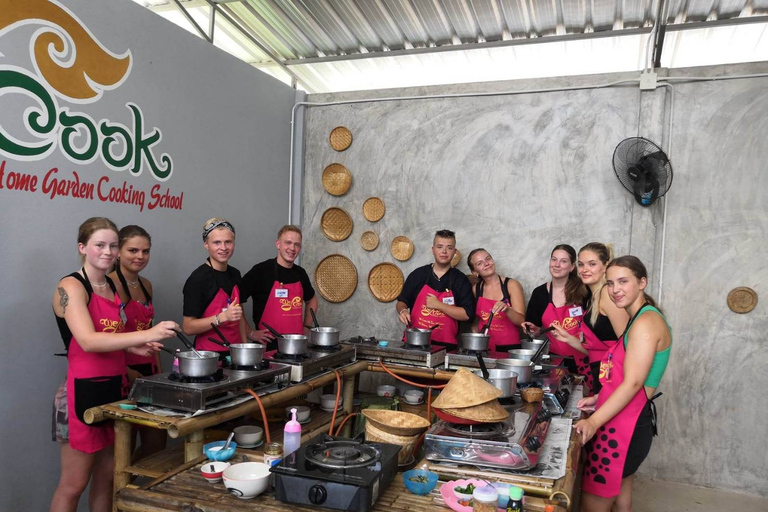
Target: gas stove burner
point(470, 352)
point(326, 348)
point(277, 356)
point(532, 384)
point(510, 400)
point(481, 430)
point(249, 368)
point(372, 340)
point(216, 377)
point(422, 348)
point(342, 453)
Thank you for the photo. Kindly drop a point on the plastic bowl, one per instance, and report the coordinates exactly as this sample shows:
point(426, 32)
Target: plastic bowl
point(212, 471)
point(219, 454)
point(386, 390)
point(327, 401)
point(420, 488)
point(302, 411)
point(246, 480)
point(247, 435)
point(127, 407)
point(503, 490)
point(383, 343)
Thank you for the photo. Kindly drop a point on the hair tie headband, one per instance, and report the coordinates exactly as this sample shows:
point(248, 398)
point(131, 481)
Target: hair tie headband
point(217, 224)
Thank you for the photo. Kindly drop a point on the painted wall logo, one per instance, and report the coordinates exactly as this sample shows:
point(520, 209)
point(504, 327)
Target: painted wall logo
point(71, 66)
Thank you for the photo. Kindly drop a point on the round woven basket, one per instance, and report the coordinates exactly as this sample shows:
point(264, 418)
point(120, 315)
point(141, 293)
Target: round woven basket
point(401, 248)
point(341, 138)
point(456, 259)
point(336, 179)
point(369, 240)
point(375, 434)
point(385, 281)
point(532, 394)
point(742, 299)
point(336, 224)
point(336, 278)
point(396, 422)
point(373, 209)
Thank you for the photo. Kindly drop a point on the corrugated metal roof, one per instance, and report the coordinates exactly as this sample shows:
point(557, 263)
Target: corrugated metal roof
point(330, 45)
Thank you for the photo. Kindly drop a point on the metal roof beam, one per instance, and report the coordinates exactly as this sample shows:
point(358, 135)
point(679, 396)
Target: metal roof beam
point(190, 19)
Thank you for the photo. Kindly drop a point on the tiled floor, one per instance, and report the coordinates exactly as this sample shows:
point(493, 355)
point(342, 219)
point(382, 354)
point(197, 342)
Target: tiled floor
point(657, 496)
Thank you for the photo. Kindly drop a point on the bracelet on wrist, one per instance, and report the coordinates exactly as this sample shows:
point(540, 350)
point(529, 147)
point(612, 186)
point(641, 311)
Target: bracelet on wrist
point(216, 319)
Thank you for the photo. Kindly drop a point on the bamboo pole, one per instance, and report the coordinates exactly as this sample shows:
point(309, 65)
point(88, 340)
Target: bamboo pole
point(123, 436)
point(424, 373)
point(348, 394)
point(193, 445)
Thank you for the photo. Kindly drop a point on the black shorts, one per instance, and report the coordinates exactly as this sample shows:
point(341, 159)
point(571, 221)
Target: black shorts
point(640, 445)
point(594, 366)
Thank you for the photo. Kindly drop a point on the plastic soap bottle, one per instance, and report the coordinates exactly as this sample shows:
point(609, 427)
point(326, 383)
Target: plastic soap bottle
point(291, 435)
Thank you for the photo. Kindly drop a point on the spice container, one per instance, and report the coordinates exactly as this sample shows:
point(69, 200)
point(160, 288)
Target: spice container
point(485, 499)
point(515, 499)
point(273, 452)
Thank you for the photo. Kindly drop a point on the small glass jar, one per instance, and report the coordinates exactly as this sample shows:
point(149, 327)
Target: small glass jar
point(273, 452)
point(485, 499)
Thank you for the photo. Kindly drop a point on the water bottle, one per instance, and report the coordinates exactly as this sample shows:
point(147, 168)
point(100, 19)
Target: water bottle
point(291, 435)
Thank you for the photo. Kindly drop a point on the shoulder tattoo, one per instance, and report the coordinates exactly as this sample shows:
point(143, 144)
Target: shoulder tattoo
point(63, 300)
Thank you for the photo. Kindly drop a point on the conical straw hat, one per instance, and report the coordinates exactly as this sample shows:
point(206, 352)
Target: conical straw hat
point(466, 389)
point(489, 412)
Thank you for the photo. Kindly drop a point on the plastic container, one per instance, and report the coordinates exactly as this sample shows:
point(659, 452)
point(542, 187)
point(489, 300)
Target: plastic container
point(291, 435)
point(273, 453)
point(485, 499)
point(515, 499)
point(420, 488)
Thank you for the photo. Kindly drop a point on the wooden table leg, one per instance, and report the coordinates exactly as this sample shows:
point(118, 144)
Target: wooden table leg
point(193, 445)
point(123, 434)
point(348, 393)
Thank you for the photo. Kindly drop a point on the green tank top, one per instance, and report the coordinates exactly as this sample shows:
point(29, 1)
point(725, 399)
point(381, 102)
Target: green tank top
point(660, 359)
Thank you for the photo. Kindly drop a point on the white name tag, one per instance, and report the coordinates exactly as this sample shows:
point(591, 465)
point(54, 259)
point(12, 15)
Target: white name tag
point(281, 293)
point(575, 311)
point(448, 300)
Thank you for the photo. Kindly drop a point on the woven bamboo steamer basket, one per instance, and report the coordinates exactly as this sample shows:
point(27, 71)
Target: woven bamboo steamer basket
point(532, 394)
point(456, 259)
point(401, 248)
point(336, 224)
point(373, 209)
point(385, 281)
point(465, 389)
point(742, 300)
point(375, 434)
point(336, 278)
point(336, 179)
point(396, 422)
point(489, 412)
point(369, 240)
point(340, 138)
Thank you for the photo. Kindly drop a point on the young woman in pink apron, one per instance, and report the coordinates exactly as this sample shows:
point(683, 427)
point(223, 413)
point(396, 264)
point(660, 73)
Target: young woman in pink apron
point(619, 434)
point(558, 304)
point(602, 319)
point(437, 294)
point(135, 292)
point(212, 292)
point(88, 314)
point(281, 290)
point(502, 297)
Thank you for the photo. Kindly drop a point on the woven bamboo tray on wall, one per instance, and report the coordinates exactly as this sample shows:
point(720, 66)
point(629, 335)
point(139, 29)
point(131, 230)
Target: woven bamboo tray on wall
point(373, 209)
point(401, 248)
point(336, 179)
point(336, 224)
point(340, 138)
point(369, 240)
point(336, 278)
point(385, 281)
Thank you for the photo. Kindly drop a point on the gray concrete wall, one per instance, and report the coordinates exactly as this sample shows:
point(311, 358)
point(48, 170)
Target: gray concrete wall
point(227, 128)
point(517, 174)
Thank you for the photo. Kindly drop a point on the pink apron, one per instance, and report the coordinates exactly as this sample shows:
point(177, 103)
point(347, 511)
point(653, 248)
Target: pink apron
point(562, 316)
point(138, 317)
point(284, 310)
point(231, 330)
point(502, 332)
point(95, 378)
point(423, 317)
point(607, 450)
point(597, 348)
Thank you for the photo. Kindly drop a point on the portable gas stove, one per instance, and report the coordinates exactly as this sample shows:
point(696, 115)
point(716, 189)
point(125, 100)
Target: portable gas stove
point(463, 358)
point(511, 444)
point(397, 352)
point(557, 385)
point(336, 472)
point(192, 394)
point(314, 362)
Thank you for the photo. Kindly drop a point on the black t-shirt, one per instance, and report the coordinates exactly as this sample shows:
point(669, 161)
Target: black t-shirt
point(537, 305)
point(454, 279)
point(602, 328)
point(203, 285)
point(258, 282)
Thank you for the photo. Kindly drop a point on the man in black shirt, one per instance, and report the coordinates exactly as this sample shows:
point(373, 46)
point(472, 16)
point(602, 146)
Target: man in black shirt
point(280, 289)
point(437, 294)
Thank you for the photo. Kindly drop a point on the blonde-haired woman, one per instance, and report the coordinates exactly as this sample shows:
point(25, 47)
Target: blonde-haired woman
point(212, 291)
point(602, 318)
point(89, 316)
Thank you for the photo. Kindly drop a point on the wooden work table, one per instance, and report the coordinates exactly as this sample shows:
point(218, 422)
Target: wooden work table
point(179, 486)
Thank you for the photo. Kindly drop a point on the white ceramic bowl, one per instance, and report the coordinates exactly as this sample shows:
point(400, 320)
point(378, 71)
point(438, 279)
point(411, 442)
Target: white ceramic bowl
point(327, 401)
point(247, 479)
point(414, 396)
point(248, 435)
point(302, 412)
point(212, 471)
point(386, 390)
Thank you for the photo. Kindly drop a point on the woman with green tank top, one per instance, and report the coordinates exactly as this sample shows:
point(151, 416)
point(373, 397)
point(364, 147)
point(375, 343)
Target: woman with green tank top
point(618, 436)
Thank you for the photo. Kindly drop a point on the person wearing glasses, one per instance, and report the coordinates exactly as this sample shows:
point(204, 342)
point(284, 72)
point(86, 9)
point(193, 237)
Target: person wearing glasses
point(212, 292)
point(88, 314)
point(501, 296)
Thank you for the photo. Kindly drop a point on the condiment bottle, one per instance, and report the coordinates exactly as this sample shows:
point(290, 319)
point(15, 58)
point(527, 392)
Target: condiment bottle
point(291, 435)
point(515, 499)
point(485, 499)
point(273, 453)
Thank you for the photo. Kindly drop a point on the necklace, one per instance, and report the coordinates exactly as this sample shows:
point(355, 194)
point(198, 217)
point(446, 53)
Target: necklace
point(133, 284)
point(98, 285)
